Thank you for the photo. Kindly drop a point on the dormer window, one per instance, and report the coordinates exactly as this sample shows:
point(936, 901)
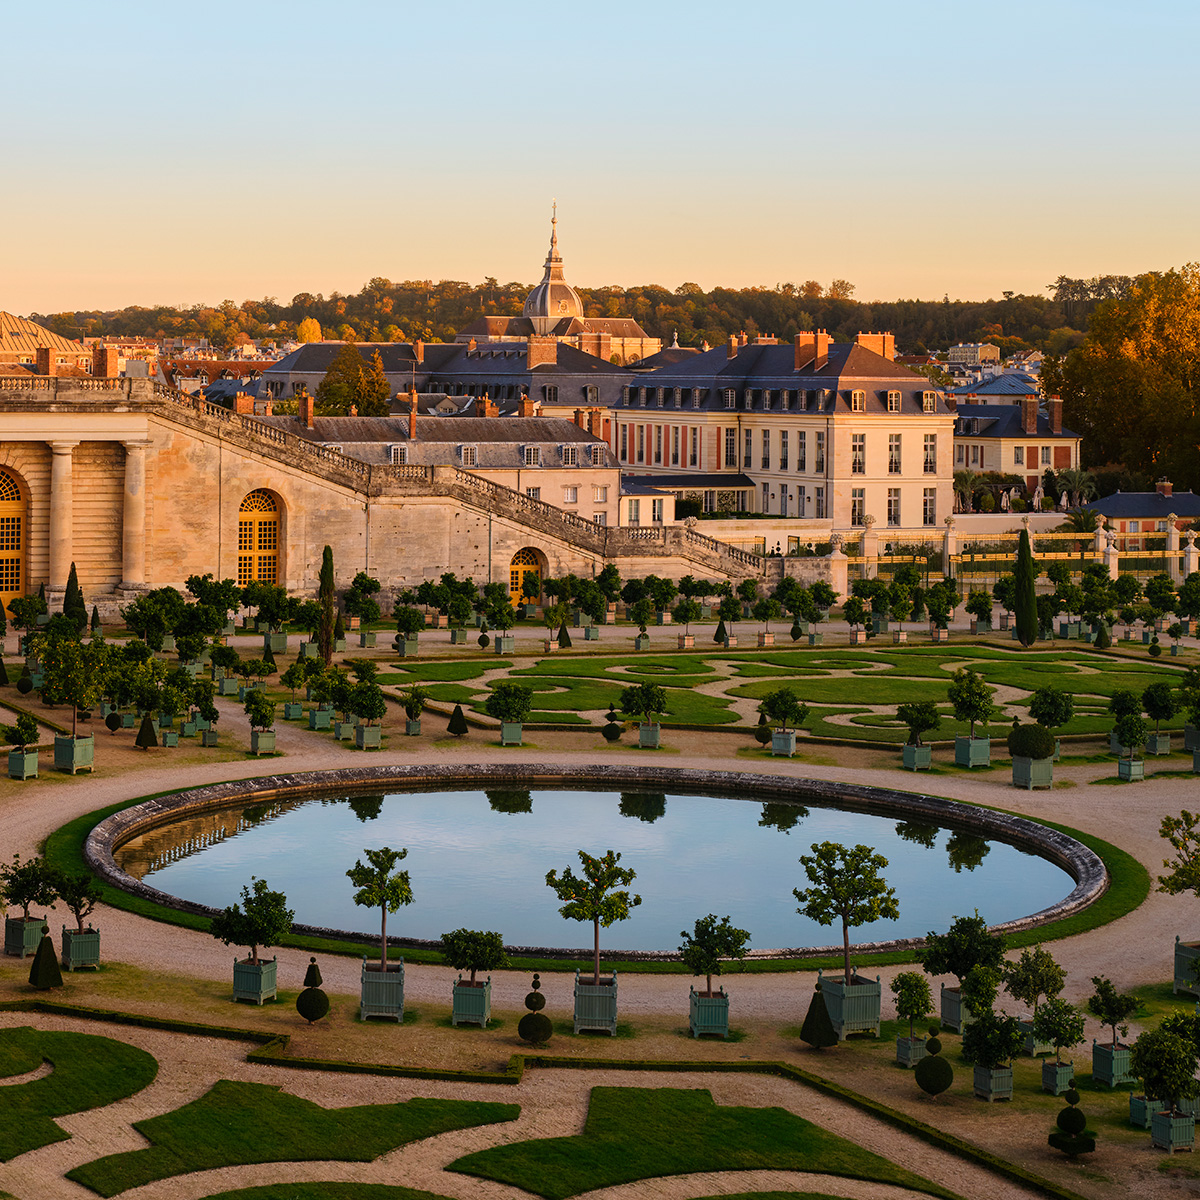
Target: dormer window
point(399, 456)
point(730, 395)
point(695, 397)
point(678, 397)
point(858, 401)
point(596, 454)
point(766, 400)
point(593, 394)
point(533, 456)
point(893, 402)
point(570, 456)
point(470, 455)
point(929, 402)
point(625, 396)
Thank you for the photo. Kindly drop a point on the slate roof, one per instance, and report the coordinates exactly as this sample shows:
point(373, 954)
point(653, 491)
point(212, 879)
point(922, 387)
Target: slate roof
point(397, 357)
point(509, 359)
point(1001, 421)
point(701, 480)
point(522, 327)
point(1146, 505)
point(669, 357)
point(1015, 383)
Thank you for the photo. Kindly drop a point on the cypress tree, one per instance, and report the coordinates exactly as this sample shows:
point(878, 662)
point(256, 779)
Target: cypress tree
point(1026, 594)
point(327, 599)
point(97, 628)
point(45, 972)
point(458, 723)
point(73, 605)
point(818, 1030)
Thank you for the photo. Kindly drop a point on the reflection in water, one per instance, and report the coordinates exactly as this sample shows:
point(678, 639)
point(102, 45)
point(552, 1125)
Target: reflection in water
point(918, 832)
point(366, 808)
point(645, 806)
point(778, 814)
point(514, 801)
point(966, 851)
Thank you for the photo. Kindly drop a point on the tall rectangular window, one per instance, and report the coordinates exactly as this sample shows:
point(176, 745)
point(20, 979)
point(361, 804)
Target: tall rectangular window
point(624, 443)
point(766, 449)
point(801, 450)
point(819, 453)
point(858, 401)
point(748, 451)
point(674, 445)
point(656, 511)
point(731, 447)
point(894, 454)
point(783, 449)
point(929, 507)
point(570, 495)
point(858, 453)
point(570, 456)
point(820, 503)
point(641, 443)
point(858, 505)
point(801, 501)
point(635, 512)
point(893, 402)
point(960, 453)
point(893, 516)
point(931, 454)
point(694, 454)
point(533, 456)
point(658, 443)
point(1018, 456)
point(600, 494)
point(766, 499)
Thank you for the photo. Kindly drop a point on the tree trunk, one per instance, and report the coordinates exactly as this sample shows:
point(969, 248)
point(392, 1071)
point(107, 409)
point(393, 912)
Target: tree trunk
point(383, 939)
point(846, 948)
point(596, 978)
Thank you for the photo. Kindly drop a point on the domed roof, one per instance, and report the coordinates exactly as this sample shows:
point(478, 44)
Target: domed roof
point(554, 298)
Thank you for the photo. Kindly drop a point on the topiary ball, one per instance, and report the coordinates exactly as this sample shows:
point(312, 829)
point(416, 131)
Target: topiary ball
point(933, 1075)
point(24, 685)
point(535, 1027)
point(1071, 1120)
point(113, 721)
point(934, 1029)
point(933, 1045)
point(484, 641)
point(312, 1004)
point(535, 1001)
point(1071, 1096)
point(611, 732)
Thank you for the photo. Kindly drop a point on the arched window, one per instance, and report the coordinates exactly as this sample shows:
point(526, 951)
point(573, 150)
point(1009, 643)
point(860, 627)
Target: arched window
point(258, 538)
point(525, 562)
point(12, 539)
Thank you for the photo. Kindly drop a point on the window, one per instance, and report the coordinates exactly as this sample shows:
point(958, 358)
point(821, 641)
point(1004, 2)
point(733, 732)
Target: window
point(801, 450)
point(533, 456)
point(929, 402)
point(596, 455)
point(600, 494)
point(766, 399)
point(1133, 527)
point(469, 457)
point(783, 449)
point(929, 507)
point(858, 401)
point(656, 511)
point(858, 453)
point(658, 443)
point(801, 500)
point(974, 456)
point(893, 401)
point(730, 395)
point(820, 502)
point(674, 445)
point(400, 456)
point(534, 493)
point(766, 499)
point(694, 453)
point(960, 454)
point(819, 453)
point(858, 505)
point(551, 395)
point(678, 397)
point(258, 538)
point(635, 512)
point(600, 518)
point(731, 447)
point(695, 397)
point(624, 443)
point(641, 443)
point(644, 396)
point(766, 449)
point(570, 495)
point(748, 451)
point(1045, 456)
point(570, 456)
point(625, 397)
point(1018, 456)
point(894, 454)
point(785, 399)
point(893, 516)
point(931, 454)
point(592, 393)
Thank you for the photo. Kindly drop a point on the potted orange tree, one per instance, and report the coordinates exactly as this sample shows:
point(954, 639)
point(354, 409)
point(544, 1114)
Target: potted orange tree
point(80, 947)
point(473, 950)
point(703, 950)
point(381, 886)
point(22, 760)
point(262, 919)
point(24, 884)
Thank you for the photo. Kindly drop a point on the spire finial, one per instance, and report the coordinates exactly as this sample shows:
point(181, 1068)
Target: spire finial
point(554, 226)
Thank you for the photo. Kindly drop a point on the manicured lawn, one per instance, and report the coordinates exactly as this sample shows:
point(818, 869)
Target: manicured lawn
point(332, 1191)
point(859, 689)
point(89, 1072)
point(238, 1123)
point(645, 1133)
point(441, 672)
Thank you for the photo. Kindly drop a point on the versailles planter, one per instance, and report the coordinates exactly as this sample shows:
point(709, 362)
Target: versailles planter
point(1133, 769)
point(1196, 762)
point(21, 937)
point(708, 1012)
point(510, 733)
point(262, 741)
point(955, 1014)
point(1057, 1076)
point(80, 949)
point(366, 638)
point(339, 645)
point(972, 752)
point(1191, 738)
point(686, 641)
point(648, 736)
point(309, 650)
point(319, 718)
point(663, 618)
point(254, 981)
point(458, 637)
point(406, 647)
point(854, 1008)
point(208, 737)
point(978, 626)
point(169, 738)
point(1110, 1064)
point(168, 643)
point(879, 624)
point(1032, 1047)
point(505, 643)
point(74, 754)
point(783, 743)
point(910, 1051)
point(642, 642)
point(993, 1083)
point(596, 1005)
point(441, 621)
point(382, 991)
point(1158, 743)
point(227, 687)
point(1187, 955)
point(917, 758)
point(1141, 1109)
point(293, 711)
point(1031, 773)
point(1173, 1131)
point(412, 728)
point(941, 635)
point(188, 729)
point(591, 633)
point(550, 645)
point(344, 729)
point(766, 639)
point(472, 1002)
point(23, 764)
point(817, 639)
point(275, 642)
point(899, 636)
point(368, 737)
point(858, 637)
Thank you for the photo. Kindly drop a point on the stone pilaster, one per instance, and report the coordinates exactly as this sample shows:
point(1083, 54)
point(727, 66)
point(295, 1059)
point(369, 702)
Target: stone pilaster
point(133, 518)
point(62, 515)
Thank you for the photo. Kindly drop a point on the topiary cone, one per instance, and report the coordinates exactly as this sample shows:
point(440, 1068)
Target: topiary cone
point(44, 972)
point(458, 723)
point(818, 1030)
point(312, 977)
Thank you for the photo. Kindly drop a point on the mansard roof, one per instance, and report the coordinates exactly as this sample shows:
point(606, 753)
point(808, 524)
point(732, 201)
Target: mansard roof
point(1000, 421)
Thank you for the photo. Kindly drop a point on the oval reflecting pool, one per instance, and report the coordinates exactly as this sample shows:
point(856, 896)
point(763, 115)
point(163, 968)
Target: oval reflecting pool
point(479, 859)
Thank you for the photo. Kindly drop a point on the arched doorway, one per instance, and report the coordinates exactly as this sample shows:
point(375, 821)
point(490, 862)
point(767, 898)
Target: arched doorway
point(258, 538)
point(525, 562)
point(12, 538)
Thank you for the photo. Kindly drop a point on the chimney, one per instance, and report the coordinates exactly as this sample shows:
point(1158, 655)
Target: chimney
point(1163, 487)
point(542, 351)
point(419, 351)
point(525, 407)
point(305, 408)
point(45, 363)
point(485, 408)
point(580, 418)
point(732, 349)
point(243, 403)
point(883, 344)
point(412, 414)
point(471, 346)
point(595, 423)
point(1054, 411)
point(1029, 415)
point(104, 361)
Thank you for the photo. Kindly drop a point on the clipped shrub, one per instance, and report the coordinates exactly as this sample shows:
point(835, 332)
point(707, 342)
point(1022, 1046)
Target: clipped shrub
point(1031, 741)
point(762, 734)
point(613, 730)
point(818, 1030)
point(44, 972)
point(1072, 1136)
point(458, 723)
point(535, 1026)
point(1103, 637)
point(113, 722)
point(719, 634)
point(933, 1073)
point(146, 737)
point(312, 1003)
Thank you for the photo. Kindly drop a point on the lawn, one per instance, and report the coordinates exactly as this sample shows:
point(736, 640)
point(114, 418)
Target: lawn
point(89, 1072)
point(238, 1123)
point(335, 1191)
point(645, 1133)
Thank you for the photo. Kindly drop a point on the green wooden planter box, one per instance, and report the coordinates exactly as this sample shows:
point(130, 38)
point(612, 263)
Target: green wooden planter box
point(910, 1051)
point(23, 764)
point(730, 641)
point(368, 737)
point(1033, 1047)
point(504, 644)
point(649, 736)
point(254, 981)
point(1191, 738)
point(339, 645)
point(816, 639)
point(1110, 1064)
point(412, 728)
point(22, 937)
point(38, 678)
point(972, 752)
point(168, 643)
point(852, 1009)
point(74, 754)
point(879, 624)
point(1057, 1076)
point(917, 758)
point(275, 642)
point(1133, 769)
point(188, 729)
point(80, 949)
point(993, 1083)
point(319, 718)
point(169, 738)
point(783, 743)
point(1031, 773)
point(1196, 762)
point(344, 729)
point(510, 733)
point(366, 638)
point(596, 1005)
point(591, 633)
point(406, 647)
point(1158, 743)
point(978, 626)
point(208, 737)
point(642, 642)
point(458, 637)
point(472, 1002)
point(662, 618)
point(1141, 1109)
point(228, 629)
point(293, 710)
point(580, 619)
point(382, 991)
point(685, 641)
point(1186, 956)
point(530, 611)
point(1147, 634)
point(1173, 1131)
point(708, 1014)
point(262, 741)
point(310, 650)
point(228, 687)
point(955, 1014)
point(128, 720)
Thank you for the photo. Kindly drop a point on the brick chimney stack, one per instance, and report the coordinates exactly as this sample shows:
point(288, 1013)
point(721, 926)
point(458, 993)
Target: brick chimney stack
point(1054, 412)
point(811, 350)
point(412, 413)
point(732, 349)
point(1164, 487)
point(542, 351)
point(45, 361)
point(883, 344)
point(485, 408)
point(243, 403)
point(525, 407)
point(1029, 415)
point(306, 408)
point(595, 425)
point(419, 351)
point(105, 361)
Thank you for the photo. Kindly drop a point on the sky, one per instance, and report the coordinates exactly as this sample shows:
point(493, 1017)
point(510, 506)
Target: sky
point(180, 154)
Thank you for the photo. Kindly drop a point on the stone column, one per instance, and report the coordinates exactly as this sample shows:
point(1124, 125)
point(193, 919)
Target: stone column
point(133, 517)
point(1172, 549)
point(62, 515)
point(870, 547)
point(949, 547)
point(1191, 556)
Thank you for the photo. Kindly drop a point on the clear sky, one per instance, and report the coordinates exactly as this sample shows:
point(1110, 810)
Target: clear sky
point(175, 153)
